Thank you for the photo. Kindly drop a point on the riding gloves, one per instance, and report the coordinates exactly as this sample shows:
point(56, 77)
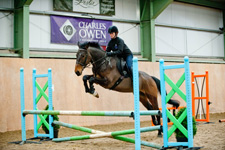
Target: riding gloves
point(109, 54)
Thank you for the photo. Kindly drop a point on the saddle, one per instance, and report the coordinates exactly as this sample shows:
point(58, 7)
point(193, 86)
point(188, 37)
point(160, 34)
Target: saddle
point(123, 70)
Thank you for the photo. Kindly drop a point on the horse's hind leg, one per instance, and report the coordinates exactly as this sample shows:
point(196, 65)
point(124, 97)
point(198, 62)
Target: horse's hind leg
point(175, 103)
point(148, 106)
point(154, 102)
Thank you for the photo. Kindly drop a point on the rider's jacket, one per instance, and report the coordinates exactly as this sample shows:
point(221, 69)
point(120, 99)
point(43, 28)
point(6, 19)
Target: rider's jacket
point(118, 47)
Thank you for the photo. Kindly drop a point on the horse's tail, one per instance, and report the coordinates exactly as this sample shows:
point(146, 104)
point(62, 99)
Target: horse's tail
point(175, 103)
point(157, 81)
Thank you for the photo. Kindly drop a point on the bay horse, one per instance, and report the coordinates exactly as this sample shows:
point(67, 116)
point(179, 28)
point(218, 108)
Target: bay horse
point(106, 74)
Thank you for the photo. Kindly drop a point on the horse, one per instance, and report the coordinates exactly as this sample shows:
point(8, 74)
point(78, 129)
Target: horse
point(106, 74)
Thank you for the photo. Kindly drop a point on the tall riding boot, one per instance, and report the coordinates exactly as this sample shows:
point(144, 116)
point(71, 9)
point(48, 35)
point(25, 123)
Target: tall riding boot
point(131, 73)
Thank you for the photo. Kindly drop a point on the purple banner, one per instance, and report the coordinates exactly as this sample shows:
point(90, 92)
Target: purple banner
point(69, 30)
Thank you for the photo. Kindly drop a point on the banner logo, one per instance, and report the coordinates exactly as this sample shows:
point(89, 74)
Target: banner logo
point(68, 30)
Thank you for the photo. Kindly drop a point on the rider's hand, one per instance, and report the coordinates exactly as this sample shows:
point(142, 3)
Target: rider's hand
point(109, 54)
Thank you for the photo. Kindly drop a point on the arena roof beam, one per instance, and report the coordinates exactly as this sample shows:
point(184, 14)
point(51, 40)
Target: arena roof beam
point(21, 26)
point(218, 4)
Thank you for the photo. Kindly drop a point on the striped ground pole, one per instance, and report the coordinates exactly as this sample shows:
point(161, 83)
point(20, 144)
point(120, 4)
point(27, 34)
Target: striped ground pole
point(90, 113)
point(103, 134)
point(107, 134)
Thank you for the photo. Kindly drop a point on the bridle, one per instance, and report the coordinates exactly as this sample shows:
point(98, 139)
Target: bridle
point(84, 65)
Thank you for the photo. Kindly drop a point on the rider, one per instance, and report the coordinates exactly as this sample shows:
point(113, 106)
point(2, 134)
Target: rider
point(116, 46)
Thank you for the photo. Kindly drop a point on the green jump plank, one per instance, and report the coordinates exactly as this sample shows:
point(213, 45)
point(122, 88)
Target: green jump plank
point(43, 121)
point(177, 123)
point(41, 91)
point(179, 92)
point(40, 94)
point(40, 123)
point(178, 84)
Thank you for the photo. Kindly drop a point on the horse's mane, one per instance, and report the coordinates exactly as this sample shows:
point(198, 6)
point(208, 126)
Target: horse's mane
point(92, 44)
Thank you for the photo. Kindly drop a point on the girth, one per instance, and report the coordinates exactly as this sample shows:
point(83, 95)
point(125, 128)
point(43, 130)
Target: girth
point(117, 82)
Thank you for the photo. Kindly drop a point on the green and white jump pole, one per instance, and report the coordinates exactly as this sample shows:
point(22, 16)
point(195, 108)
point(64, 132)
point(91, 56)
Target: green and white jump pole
point(106, 134)
point(100, 134)
point(90, 113)
point(88, 130)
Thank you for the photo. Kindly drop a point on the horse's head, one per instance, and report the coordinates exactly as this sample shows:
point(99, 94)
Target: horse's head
point(83, 58)
point(88, 52)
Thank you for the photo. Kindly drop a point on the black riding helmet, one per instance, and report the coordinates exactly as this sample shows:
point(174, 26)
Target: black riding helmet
point(113, 29)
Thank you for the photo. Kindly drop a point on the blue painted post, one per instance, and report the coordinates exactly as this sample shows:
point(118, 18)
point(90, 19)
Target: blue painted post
point(34, 102)
point(34, 78)
point(163, 97)
point(189, 102)
point(51, 132)
point(23, 123)
point(136, 104)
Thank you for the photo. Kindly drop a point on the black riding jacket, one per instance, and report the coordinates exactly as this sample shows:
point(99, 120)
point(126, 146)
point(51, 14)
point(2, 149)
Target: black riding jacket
point(118, 47)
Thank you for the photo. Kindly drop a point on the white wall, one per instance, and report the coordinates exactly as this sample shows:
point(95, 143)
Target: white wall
point(189, 42)
point(6, 30)
point(127, 9)
point(130, 34)
point(6, 24)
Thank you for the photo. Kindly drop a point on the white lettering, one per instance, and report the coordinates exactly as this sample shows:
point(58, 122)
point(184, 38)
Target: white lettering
point(103, 34)
point(82, 33)
point(81, 24)
point(98, 26)
point(98, 34)
point(86, 33)
point(90, 33)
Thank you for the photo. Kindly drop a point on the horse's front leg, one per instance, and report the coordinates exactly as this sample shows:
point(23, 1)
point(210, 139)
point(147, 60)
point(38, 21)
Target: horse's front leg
point(85, 78)
point(93, 80)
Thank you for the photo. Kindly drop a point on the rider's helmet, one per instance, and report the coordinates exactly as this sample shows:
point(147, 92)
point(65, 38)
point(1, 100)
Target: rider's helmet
point(113, 29)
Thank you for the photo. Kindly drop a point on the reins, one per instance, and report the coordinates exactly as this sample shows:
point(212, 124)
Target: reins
point(98, 60)
point(84, 65)
point(98, 66)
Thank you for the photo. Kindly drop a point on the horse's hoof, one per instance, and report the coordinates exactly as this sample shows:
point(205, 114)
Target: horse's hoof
point(155, 122)
point(160, 135)
point(96, 94)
